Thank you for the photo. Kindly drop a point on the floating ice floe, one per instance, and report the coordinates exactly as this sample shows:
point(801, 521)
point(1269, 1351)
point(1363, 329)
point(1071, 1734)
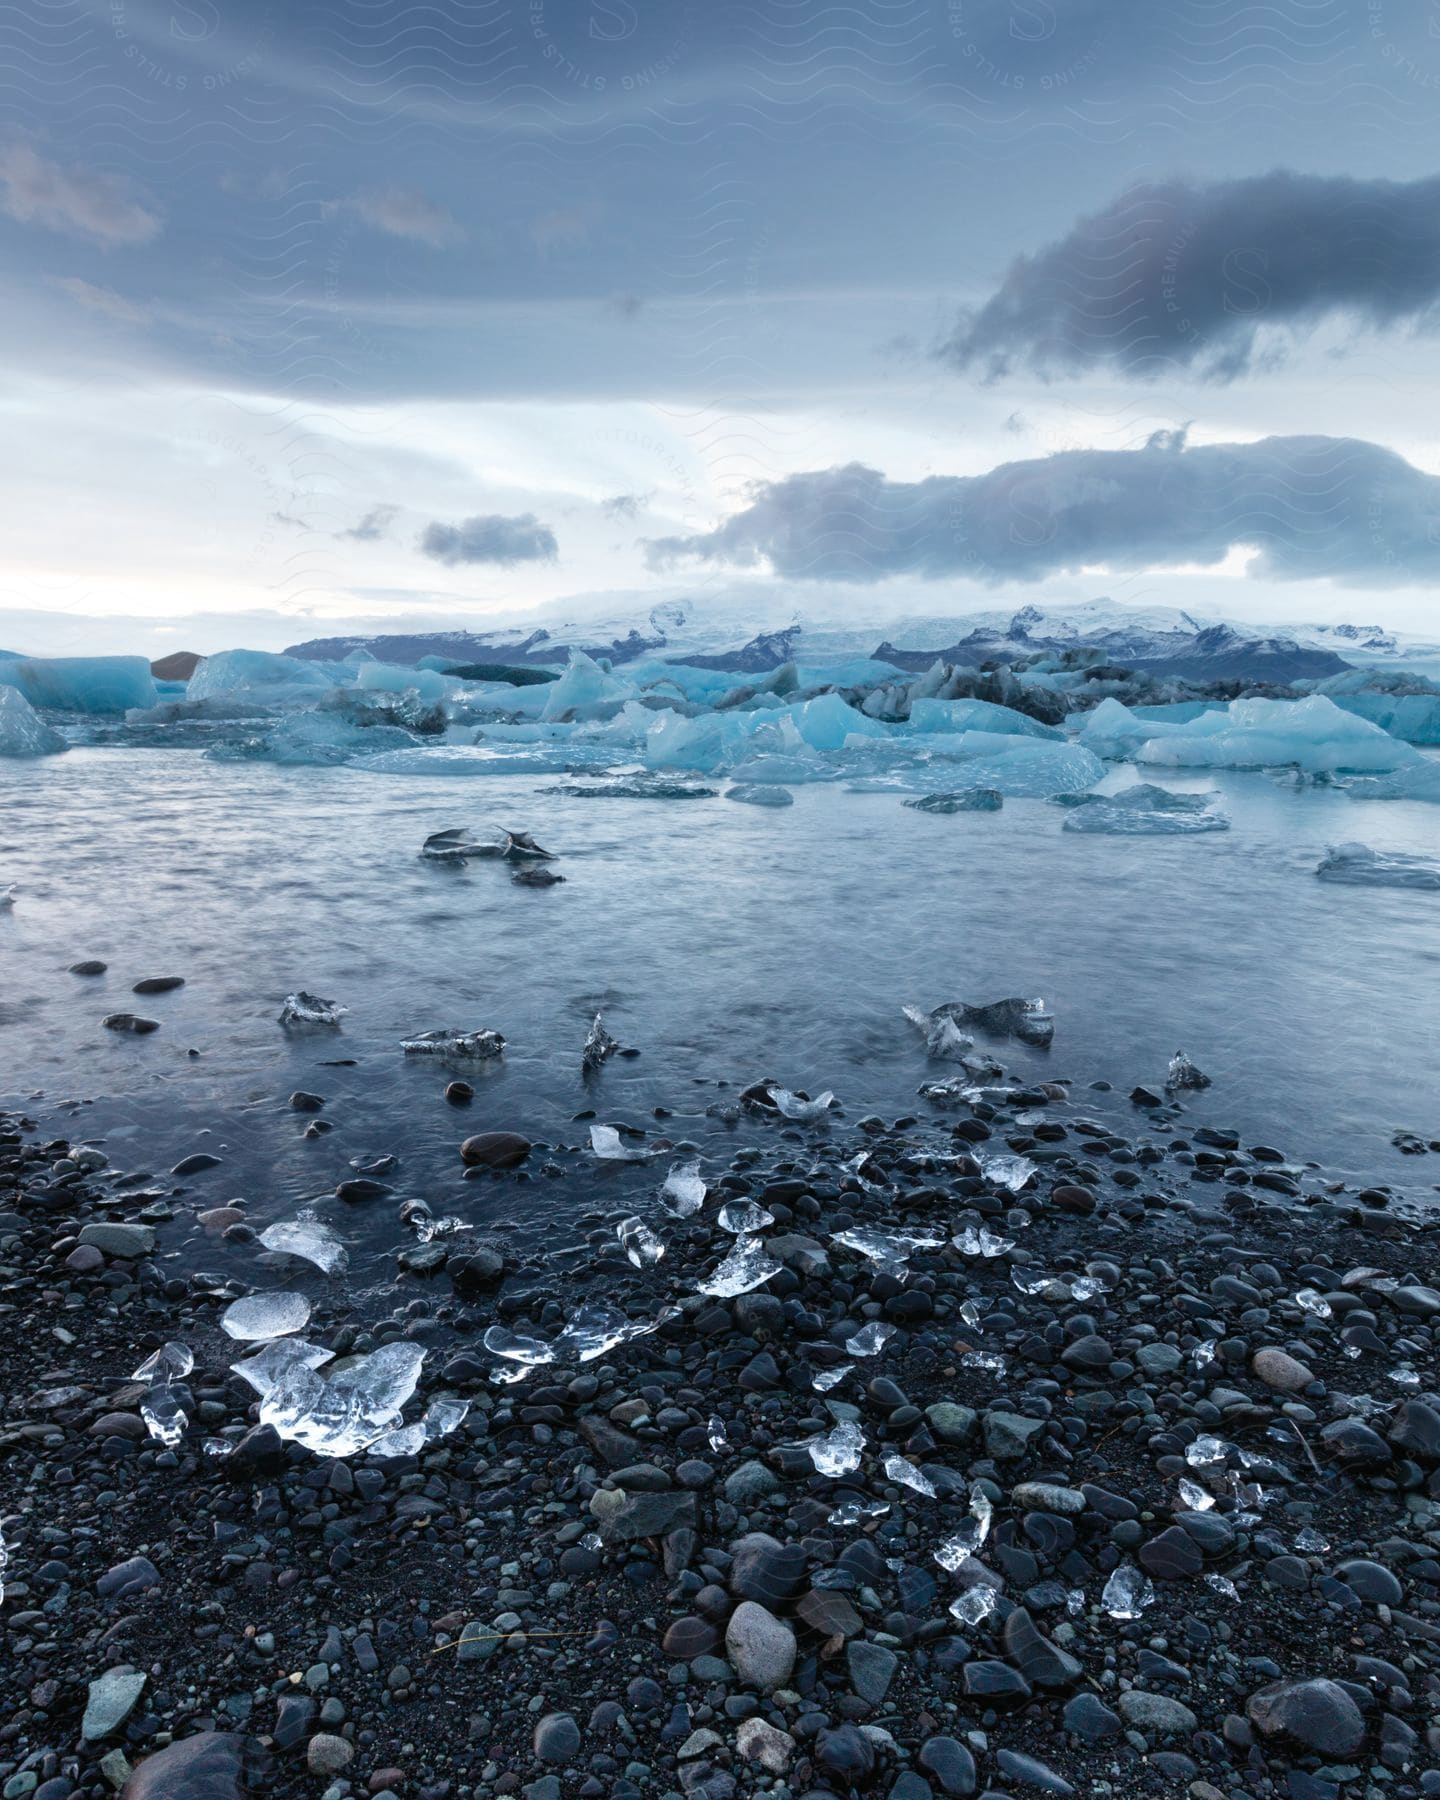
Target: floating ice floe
point(1013, 1017)
point(605, 1141)
point(683, 1190)
point(944, 1039)
point(838, 1451)
point(1143, 811)
point(1359, 866)
point(536, 875)
point(976, 799)
point(756, 793)
point(1183, 1074)
point(1314, 734)
point(83, 684)
point(309, 1009)
point(599, 1046)
point(478, 1046)
point(749, 1265)
point(269, 1315)
point(1420, 781)
point(308, 1239)
point(22, 731)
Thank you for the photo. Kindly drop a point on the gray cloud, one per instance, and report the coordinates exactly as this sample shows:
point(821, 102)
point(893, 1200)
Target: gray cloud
point(82, 202)
point(1310, 507)
point(371, 526)
point(625, 506)
point(102, 300)
point(405, 212)
point(1190, 275)
point(491, 538)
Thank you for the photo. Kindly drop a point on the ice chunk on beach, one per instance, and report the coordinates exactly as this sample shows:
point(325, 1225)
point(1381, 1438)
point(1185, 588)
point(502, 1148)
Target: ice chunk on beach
point(1144, 811)
point(944, 1039)
point(796, 1106)
point(606, 1142)
point(348, 1412)
point(870, 1339)
point(309, 1009)
point(308, 1239)
point(975, 1605)
point(1312, 733)
point(165, 1418)
point(1013, 1017)
point(82, 684)
point(639, 1242)
point(838, 1451)
point(743, 1217)
point(22, 731)
point(598, 1327)
point(403, 1440)
point(890, 1249)
point(1359, 866)
point(1007, 1171)
point(904, 1472)
point(478, 1046)
point(599, 1045)
point(514, 1346)
point(749, 1265)
point(1183, 1074)
point(1127, 1593)
point(683, 1191)
point(971, 1534)
point(277, 1359)
point(269, 1315)
point(171, 1362)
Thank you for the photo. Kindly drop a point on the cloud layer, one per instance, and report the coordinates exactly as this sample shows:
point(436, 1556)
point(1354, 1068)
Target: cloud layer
point(81, 202)
point(490, 538)
point(1311, 507)
point(1184, 275)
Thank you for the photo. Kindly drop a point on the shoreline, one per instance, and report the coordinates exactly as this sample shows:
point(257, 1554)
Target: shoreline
point(737, 1622)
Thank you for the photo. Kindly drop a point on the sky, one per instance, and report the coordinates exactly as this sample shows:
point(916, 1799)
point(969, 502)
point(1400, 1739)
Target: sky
point(350, 315)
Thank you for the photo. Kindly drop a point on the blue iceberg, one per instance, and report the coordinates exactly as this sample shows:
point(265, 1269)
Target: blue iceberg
point(83, 684)
point(22, 731)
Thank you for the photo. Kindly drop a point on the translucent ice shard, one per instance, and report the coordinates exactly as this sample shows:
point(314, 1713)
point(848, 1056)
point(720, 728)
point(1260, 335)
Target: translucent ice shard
point(171, 1362)
point(270, 1315)
point(870, 1339)
point(986, 1362)
point(606, 1142)
point(500, 1340)
point(402, 1440)
point(1308, 1300)
point(477, 1045)
point(1204, 1353)
point(1222, 1584)
point(1013, 1017)
point(267, 1366)
point(639, 1242)
point(683, 1191)
point(890, 1249)
point(1310, 1542)
point(971, 1533)
point(905, 1472)
point(308, 1239)
point(856, 1512)
point(1359, 866)
point(1007, 1171)
point(981, 1242)
point(599, 1045)
point(1183, 1073)
point(443, 1418)
point(22, 731)
point(796, 1106)
point(1030, 1281)
point(1205, 1451)
point(944, 1040)
point(824, 1379)
point(749, 1265)
point(838, 1451)
point(1195, 1497)
point(385, 1379)
point(740, 1217)
point(599, 1327)
point(309, 1009)
point(975, 1604)
point(715, 1433)
point(163, 1414)
point(1127, 1593)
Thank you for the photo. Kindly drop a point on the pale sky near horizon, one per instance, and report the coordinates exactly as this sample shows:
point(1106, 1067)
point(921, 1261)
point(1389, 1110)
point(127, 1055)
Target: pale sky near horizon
point(332, 315)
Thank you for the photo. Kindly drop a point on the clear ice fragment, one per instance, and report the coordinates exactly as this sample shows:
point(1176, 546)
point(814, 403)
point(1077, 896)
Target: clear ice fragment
point(986, 1361)
point(499, 1340)
point(983, 1242)
point(471, 1045)
point(971, 1532)
point(1205, 1451)
point(856, 1512)
point(870, 1339)
point(639, 1242)
point(890, 1249)
point(796, 1106)
point(1010, 1172)
point(599, 1046)
point(267, 1366)
point(598, 1327)
point(1196, 1498)
point(403, 1440)
point(824, 1379)
point(1309, 1300)
point(1183, 1074)
point(1127, 1593)
point(1310, 1542)
point(905, 1472)
point(1222, 1584)
point(443, 1417)
point(605, 1141)
point(309, 1240)
point(683, 1192)
point(163, 1414)
point(749, 1265)
point(838, 1451)
point(975, 1604)
point(1030, 1281)
point(309, 1009)
point(740, 1217)
point(716, 1434)
point(171, 1362)
point(261, 1316)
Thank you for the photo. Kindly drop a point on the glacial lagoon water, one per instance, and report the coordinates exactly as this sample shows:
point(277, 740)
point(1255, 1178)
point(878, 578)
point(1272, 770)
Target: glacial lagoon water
point(724, 942)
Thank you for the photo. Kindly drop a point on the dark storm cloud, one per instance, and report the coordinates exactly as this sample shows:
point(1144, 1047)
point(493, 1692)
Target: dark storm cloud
point(492, 538)
point(374, 525)
point(1188, 275)
point(1310, 507)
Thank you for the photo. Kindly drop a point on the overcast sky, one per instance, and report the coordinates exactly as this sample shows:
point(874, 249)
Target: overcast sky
point(330, 314)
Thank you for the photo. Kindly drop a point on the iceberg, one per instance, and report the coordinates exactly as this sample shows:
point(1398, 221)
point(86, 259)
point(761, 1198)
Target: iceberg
point(754, 793)
point(309, 1009)
point(479, 1045)
point(1415, 718)
point(1421, 781)
point(584, 691)
point(315, 740)
point(83, 684)
point(1359, 866)
point(978, 715)
point(1143, 811)
point(263, 675)
point(1314, 734)
point(967, 800)
point(22, 731)
point(388, 678)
